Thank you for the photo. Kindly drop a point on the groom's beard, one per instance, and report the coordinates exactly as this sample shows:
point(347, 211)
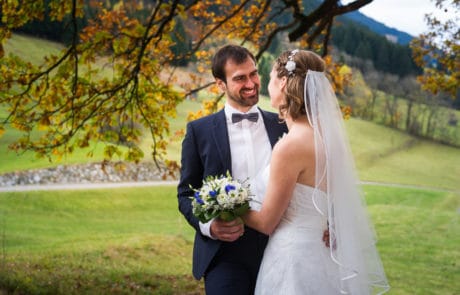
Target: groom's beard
point(245, 100)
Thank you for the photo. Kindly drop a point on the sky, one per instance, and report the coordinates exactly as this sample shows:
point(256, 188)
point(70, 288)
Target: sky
point(405, 15)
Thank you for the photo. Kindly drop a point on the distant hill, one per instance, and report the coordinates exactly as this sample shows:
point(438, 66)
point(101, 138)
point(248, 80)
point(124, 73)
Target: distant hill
point(379, 28)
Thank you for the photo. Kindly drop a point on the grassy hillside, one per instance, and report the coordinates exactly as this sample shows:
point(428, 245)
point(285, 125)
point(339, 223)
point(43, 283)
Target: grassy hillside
point(133, 240)
point(387, 155)
point(382, 154)
point(31, 49)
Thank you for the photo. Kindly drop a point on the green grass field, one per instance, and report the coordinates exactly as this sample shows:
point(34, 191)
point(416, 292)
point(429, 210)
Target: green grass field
point(95, 242)
point(133, 240)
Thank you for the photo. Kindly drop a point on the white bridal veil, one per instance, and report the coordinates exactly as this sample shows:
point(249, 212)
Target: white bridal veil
point(352, 239)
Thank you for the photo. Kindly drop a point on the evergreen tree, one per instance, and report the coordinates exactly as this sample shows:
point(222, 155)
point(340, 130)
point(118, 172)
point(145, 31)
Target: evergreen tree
point(363, 50)
point(181, 44)
point(356, 40)
point(382, 59)
point(265, 67)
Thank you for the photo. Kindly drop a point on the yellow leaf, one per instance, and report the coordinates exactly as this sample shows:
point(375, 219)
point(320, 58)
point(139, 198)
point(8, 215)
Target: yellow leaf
point(44, 123)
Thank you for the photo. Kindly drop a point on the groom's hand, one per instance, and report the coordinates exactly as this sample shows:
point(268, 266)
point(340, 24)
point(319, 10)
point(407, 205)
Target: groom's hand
point(227, 231)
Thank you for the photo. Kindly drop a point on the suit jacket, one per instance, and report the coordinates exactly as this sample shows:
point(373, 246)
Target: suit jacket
point(206, 151)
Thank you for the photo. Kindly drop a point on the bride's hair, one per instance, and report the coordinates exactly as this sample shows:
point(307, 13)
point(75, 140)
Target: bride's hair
point(294, 91)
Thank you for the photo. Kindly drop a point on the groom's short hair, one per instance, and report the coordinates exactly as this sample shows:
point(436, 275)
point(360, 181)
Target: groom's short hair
point(238, 54)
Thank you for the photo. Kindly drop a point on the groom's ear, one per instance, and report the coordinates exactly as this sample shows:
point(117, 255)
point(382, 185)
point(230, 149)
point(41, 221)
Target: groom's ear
point(221, 84)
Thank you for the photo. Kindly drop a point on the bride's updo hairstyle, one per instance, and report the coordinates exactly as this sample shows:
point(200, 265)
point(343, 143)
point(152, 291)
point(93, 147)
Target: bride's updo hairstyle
point(294, 65)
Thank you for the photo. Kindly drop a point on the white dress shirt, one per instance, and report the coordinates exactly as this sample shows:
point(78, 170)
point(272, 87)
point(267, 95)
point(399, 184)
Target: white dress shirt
point(250, 151)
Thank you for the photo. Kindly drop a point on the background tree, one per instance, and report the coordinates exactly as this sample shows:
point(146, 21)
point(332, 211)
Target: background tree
point(394, 91)
point(437, 51)
point(373, 79)
point(118, 70)
point(265, 67)
point(181, 44)
point(412, 92)
point(357, 96)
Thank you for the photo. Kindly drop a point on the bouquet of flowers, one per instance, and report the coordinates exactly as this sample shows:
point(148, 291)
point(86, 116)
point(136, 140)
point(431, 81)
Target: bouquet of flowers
point(220, 196)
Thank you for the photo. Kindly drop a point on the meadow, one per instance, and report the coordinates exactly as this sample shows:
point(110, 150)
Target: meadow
point(134, 240)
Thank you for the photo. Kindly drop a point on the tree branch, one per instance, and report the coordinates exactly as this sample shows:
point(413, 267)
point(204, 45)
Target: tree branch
point(328, 9)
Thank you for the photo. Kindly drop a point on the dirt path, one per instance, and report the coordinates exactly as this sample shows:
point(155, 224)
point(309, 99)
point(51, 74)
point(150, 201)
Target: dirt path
point(410, 186)
point(105, 185)
point(83, 186)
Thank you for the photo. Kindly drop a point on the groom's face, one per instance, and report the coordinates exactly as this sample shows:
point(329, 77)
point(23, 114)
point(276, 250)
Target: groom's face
point(242, 85)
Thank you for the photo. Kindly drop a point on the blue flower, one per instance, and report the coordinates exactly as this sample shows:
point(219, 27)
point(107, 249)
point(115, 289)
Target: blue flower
point(213, 194)
point(198, 198)
point(229, 187)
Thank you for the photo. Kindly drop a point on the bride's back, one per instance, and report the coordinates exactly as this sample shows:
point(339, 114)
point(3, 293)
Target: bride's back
point(300, 141)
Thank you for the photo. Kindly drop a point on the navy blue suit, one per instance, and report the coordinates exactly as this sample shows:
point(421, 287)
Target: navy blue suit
point(206, 151)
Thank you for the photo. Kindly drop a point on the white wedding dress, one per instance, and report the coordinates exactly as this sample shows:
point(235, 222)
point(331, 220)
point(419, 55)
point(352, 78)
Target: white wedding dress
point(296, 260)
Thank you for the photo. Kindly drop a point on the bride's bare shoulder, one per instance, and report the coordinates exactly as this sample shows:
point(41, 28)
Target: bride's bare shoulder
point(298, 142)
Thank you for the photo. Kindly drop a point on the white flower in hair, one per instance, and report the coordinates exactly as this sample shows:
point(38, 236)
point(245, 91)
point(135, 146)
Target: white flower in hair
point(290, 64)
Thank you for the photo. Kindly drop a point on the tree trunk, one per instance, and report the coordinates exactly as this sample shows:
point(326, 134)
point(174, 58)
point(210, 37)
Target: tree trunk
point(408, 116)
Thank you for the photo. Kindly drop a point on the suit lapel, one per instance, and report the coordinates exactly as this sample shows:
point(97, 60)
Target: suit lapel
point(220, 135)
point(272, 126)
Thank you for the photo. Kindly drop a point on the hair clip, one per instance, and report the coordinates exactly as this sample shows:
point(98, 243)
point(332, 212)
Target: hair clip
point(290, 64)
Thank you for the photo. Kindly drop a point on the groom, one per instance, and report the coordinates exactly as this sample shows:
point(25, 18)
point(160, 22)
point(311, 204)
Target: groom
point(228, 254)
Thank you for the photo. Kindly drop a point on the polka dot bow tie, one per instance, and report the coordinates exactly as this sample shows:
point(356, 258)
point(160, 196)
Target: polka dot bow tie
point(249, 116)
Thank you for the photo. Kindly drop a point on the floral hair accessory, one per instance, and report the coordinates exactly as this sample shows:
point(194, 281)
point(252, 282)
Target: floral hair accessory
point(290, 64)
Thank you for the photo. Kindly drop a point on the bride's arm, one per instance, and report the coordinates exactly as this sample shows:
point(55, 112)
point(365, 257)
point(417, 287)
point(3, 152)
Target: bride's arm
point(284, 170)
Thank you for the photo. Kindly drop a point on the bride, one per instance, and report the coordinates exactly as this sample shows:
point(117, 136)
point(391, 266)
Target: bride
point(311, 187)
